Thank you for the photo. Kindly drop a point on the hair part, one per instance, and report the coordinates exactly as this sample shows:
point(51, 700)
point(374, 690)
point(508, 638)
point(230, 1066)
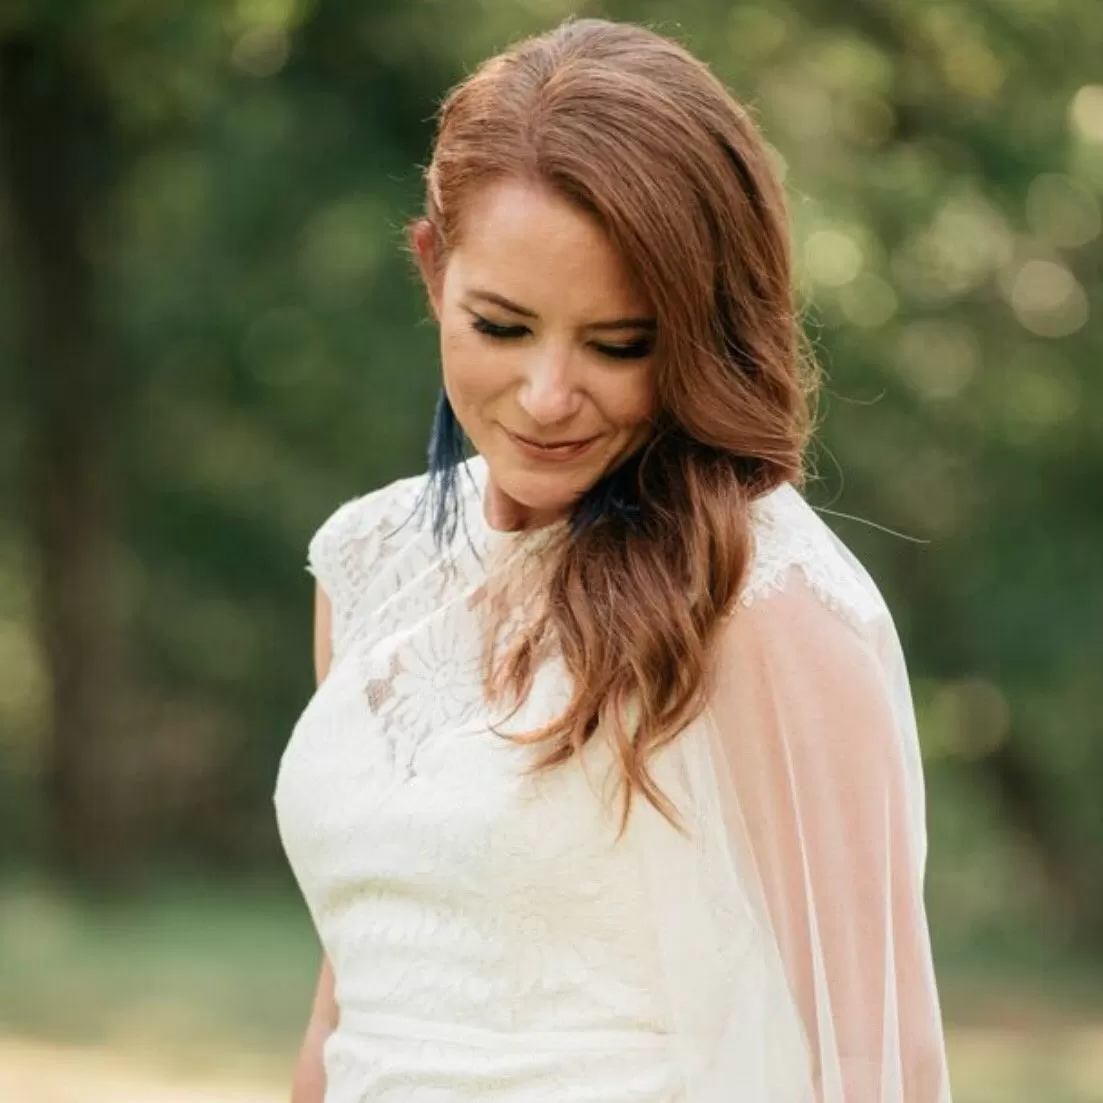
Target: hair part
point(638, 133)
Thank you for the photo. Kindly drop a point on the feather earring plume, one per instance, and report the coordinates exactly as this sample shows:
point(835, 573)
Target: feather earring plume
point(446, 454)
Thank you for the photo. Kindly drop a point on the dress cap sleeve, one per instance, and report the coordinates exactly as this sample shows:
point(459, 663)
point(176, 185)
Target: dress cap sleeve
point(344, 553)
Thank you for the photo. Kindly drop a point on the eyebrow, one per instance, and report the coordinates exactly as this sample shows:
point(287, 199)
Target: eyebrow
point(524, 312)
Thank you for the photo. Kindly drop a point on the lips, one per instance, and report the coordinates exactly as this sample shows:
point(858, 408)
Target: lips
point(550, 450)
point(552, 443)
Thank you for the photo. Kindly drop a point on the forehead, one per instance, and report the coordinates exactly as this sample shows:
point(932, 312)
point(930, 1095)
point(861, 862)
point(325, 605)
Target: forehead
point(531, 245)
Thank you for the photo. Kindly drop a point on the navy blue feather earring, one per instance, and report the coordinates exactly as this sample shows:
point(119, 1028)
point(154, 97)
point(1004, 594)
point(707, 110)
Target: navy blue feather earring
point(446, 453)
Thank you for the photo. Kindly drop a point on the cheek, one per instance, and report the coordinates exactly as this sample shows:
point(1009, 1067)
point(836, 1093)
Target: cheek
point(468, 366)
point(630, 400)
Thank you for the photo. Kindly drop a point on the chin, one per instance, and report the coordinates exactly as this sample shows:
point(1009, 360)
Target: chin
point(549, 493)
point(537, 495)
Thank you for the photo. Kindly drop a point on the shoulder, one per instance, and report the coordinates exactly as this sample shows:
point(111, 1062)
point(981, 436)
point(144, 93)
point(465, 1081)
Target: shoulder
point(370, 512)
point(812, 633)
point(811, 646)
point(347, 553)
point(793, 550)
point(812, 650)
point(343, 545)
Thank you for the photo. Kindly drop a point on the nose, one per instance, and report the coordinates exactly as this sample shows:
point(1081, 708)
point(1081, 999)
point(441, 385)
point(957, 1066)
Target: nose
point(549, 393)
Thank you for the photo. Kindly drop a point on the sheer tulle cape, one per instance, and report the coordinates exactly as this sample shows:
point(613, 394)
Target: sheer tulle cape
point(807, 976)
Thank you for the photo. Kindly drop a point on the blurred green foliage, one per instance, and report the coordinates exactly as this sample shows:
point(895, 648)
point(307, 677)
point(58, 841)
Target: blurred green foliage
point(236, 178)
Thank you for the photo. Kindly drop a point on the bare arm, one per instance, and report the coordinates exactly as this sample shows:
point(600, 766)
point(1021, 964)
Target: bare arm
point(309, 1084)
point(323, 634)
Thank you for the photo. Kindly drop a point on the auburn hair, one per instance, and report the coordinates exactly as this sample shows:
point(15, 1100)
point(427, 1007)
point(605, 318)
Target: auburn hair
point(638, 133)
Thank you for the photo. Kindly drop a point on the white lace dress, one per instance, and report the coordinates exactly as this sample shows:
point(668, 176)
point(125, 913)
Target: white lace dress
point(491, 938)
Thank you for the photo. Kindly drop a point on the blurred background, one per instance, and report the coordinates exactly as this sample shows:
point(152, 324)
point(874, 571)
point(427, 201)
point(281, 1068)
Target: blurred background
point(211, 335)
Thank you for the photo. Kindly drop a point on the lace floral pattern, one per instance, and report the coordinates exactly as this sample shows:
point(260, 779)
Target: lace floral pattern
point(449, 886)
point(788, 535)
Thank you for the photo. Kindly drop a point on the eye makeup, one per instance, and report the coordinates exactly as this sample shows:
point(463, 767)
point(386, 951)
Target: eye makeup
point(630, 350)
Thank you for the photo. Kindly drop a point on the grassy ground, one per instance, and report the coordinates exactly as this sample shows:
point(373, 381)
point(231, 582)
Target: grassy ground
point(195, 995)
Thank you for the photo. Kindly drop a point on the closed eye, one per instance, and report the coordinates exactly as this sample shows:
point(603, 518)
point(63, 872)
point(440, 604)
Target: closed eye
point(631, 350)
point(498, 332)
point(634, 350)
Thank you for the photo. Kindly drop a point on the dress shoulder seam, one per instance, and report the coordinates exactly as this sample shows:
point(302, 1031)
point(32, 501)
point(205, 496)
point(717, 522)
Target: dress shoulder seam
point(788, 536)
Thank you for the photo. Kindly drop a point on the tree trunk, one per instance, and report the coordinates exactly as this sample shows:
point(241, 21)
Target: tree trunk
point(56, 150)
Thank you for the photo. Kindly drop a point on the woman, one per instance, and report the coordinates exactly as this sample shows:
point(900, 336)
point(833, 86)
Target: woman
point(611, 790)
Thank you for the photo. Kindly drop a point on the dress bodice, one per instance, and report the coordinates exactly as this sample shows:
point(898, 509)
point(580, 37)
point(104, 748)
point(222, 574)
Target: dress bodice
point(486, 928)
point(493, 938)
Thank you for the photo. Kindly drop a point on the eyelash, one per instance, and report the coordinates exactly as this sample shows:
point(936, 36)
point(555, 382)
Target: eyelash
point(635, 350)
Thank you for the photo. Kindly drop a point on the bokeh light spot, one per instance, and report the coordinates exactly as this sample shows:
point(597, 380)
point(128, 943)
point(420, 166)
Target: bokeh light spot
point(966, 242)
point(1048, 299)
point(972, 716)
point(937, 357)
point(1040, 394)
point(1062, 210)
point(261, 51)
point(868, 301)
point(1086, 112)
point(754, 32)
point(803, 108)
point(832, 257)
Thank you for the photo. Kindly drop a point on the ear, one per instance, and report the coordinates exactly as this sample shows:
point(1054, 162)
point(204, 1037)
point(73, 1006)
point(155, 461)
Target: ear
point(425, 243)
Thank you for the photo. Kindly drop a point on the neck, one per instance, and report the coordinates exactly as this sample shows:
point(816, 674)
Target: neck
point(506, 514)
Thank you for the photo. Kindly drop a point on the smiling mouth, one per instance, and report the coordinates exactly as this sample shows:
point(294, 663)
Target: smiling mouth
point(552, 443)
point(551, 448)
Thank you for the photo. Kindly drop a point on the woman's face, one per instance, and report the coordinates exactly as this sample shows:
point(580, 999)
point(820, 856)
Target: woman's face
point(546, 346)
